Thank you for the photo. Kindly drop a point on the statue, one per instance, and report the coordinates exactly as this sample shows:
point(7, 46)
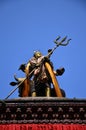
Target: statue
point(41, 82)
point(40, 75)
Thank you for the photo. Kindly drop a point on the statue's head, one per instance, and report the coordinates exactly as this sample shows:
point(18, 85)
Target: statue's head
point(37, 54)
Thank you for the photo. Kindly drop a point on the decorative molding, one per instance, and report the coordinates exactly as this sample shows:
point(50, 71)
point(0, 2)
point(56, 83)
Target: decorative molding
point(43, 110)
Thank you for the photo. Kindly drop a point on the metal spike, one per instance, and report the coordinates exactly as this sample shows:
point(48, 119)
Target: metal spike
point(55, 42)
point(64, 39)
point(58, 38)
point(65, 43)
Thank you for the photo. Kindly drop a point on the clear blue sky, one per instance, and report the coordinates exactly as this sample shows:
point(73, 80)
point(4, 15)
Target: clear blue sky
point(28, 25)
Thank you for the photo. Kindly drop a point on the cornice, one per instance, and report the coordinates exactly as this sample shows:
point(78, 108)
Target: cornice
point(43, 110)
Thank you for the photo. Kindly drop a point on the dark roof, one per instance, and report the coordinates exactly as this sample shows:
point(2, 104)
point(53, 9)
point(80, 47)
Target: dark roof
point(43, 110)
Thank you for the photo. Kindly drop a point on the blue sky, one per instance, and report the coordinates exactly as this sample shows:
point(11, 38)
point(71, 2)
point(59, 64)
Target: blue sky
point(28, 25)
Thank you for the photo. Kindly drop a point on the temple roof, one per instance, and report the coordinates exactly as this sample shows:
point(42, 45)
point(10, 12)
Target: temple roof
point(43, 110)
